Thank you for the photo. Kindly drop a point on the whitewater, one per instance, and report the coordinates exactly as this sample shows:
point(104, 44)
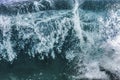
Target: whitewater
point(59, 40)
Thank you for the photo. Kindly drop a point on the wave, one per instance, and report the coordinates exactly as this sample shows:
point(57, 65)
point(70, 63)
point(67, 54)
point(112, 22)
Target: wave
point(81, 38)
point(28, 6)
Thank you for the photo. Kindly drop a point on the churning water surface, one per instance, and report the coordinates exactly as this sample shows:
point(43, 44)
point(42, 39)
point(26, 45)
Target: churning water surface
point(59, 40)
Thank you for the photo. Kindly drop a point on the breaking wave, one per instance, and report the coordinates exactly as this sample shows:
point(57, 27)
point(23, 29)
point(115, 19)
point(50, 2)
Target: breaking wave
point(59, 40)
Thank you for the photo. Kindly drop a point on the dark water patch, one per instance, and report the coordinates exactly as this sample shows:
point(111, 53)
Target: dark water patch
point(24, 7)
point(98, 5)
point(24, 68)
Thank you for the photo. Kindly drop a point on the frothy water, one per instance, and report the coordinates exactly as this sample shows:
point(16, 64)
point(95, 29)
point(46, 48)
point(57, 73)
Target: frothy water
point(45, 41)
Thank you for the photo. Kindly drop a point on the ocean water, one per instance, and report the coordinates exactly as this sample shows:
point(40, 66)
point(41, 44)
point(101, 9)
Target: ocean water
point(59, 40)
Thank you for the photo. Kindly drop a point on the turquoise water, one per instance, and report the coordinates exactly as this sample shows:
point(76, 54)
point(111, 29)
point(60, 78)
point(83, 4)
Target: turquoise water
point(59, 40)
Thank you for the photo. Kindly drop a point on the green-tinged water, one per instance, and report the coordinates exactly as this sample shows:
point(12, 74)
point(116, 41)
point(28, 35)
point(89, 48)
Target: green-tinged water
point(59, 40)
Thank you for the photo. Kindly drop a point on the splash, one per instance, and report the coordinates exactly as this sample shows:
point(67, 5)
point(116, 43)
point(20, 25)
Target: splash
point(76, 20)
point(93, 32)
point(87, 38)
